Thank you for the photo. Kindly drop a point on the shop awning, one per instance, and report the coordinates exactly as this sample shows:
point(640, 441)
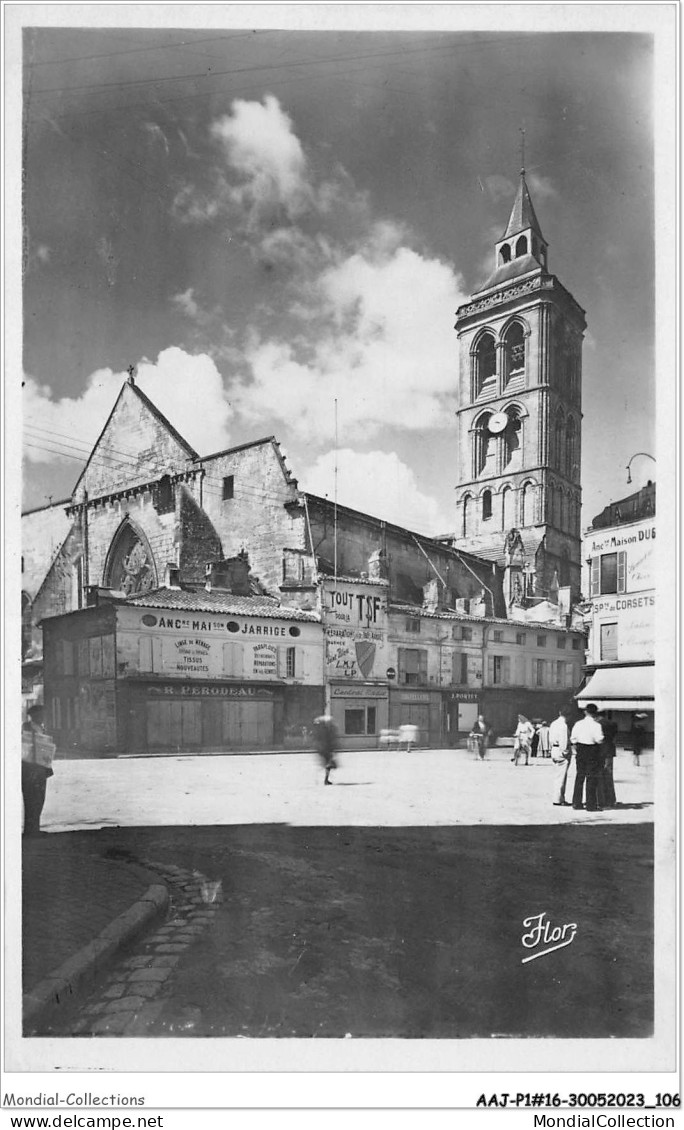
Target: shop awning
point(620, 688)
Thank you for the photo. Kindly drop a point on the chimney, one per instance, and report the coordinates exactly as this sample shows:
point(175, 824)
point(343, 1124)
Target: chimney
point(378, 566)
point(232, 574)
point(171, 576)
point(436, 596)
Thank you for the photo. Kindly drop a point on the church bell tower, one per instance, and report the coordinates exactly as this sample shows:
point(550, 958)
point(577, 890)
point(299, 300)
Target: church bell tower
point(519, 421)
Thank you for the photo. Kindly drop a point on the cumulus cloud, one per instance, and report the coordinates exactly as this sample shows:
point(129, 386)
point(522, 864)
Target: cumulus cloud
point(384, 347)
point(377, 483)
point(187, 388)
point(263, 150)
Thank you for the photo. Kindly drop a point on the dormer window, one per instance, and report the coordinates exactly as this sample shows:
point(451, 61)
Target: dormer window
point(521, 246)
point(505, 254)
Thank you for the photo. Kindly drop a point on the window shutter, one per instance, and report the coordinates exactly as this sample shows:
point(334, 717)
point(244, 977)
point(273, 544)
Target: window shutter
point(423, 664)
point(490, 669)
point(233, 658)
point(506, 669)
point(157, 664)
point(621, 570)
point(520, 670)
point(595, 576)
point(145, 653)
point(108, 657)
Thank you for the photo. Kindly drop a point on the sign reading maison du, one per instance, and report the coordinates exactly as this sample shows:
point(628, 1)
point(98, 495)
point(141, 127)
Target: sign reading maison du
point(637, 541)
point(355, 617)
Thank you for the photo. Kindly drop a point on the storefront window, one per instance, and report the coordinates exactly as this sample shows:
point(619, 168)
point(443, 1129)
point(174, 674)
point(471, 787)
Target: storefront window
point(360, 720)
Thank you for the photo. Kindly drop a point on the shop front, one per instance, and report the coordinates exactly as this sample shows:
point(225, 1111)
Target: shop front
point(359, 712)
point(421, 708)
point(149, 677)
point(460, 709)
point(202, 716)
point(627, 695)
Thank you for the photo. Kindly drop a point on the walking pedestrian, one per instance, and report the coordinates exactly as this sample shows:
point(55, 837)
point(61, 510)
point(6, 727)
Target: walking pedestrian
point(408, 736)
point(522, 739)
point(544, 739)
point(37, 753)
point(607, 789)
point(325, 737)
point(561, 756)
point(481, 734)
point(637, 737)
point(586, 740)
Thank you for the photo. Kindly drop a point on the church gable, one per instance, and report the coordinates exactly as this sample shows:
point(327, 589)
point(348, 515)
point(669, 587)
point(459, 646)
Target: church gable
point(137, 445)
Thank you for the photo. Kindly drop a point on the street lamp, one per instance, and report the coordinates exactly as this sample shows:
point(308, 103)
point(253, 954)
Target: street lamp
point(637, 453)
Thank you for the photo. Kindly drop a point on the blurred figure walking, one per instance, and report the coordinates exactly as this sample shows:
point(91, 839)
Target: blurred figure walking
point(325, 738)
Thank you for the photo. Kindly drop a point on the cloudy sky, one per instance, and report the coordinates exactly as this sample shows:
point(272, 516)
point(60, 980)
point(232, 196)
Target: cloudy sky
point(267, 222)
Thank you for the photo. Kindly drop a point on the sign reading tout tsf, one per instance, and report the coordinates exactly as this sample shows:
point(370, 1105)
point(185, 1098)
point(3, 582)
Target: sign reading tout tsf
point(355, 625)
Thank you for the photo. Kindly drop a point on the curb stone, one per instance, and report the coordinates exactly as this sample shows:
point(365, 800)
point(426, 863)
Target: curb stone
point(79, 972)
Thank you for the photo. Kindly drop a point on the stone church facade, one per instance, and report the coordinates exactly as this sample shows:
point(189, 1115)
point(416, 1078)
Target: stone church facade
point(150, 518)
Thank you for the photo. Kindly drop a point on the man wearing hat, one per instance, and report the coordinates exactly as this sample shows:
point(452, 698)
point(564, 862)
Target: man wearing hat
point(586, 740)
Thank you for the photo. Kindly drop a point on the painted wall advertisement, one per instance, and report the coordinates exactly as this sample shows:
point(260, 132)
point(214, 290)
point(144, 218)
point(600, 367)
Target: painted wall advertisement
point(201, 646)
point(355, 624)
point(637, 540)
point(635, 620)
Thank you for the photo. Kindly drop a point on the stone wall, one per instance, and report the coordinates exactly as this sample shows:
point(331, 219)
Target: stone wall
point(262, 515)
point(409, 570)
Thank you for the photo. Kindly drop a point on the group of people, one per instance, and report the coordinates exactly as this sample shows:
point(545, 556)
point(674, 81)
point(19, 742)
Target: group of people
point(591, 741)
point(531, 739)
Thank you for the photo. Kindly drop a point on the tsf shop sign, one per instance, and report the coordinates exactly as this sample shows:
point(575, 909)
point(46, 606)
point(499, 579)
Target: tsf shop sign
point(356, 606)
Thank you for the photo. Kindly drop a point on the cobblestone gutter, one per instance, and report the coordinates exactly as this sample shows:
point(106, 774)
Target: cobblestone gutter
point(127, 999)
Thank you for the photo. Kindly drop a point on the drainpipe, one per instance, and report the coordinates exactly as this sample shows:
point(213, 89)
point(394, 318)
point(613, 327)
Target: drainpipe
point(86, 551)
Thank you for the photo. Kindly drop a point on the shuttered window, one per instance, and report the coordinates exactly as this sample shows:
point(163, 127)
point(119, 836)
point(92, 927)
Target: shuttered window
point(609, 640)
point(459, 667)
point(412, 666)
point(499, 668)
point(233, 659)
point(608, 573)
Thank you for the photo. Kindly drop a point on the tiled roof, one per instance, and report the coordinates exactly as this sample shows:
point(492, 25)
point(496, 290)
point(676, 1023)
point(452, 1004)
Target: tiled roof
point(523, 265)
point(457, 617)
point(353, 580)
point(218, 600)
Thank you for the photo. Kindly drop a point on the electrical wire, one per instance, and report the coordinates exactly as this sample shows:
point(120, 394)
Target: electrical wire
point(156, 47)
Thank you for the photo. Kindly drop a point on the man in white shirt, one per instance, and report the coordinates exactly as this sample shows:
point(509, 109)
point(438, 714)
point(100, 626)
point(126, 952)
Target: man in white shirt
point(560, 755)
point(587, 740)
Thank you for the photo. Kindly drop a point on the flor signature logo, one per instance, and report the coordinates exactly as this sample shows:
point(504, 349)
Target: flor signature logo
point(542, 933)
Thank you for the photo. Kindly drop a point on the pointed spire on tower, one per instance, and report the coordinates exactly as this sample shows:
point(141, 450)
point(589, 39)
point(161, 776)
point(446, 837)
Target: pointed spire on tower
point(523, 215)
